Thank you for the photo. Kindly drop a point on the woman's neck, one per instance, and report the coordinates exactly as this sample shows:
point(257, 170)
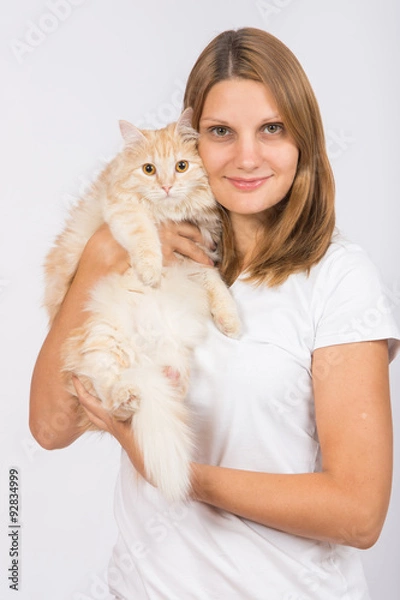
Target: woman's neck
point(246, 229)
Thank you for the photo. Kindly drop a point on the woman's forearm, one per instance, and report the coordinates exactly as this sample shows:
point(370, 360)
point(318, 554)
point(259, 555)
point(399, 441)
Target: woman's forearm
point(53, 411)
point(53, 415)
point(309, 505)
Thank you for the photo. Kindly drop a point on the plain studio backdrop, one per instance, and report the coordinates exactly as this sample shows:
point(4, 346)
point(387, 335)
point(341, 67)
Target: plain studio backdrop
point(70, 69)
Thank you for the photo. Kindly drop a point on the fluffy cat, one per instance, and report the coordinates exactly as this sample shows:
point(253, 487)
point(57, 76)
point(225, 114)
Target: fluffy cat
point(151, 317)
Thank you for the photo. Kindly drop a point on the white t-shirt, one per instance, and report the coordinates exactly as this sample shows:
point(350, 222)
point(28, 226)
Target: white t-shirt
point(253, 409)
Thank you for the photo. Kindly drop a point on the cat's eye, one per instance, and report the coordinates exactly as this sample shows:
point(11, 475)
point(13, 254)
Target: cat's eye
point(149, 169)
point(182, 166)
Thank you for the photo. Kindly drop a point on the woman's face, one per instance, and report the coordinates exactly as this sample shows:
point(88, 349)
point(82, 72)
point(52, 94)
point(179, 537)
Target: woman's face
point(249, 156)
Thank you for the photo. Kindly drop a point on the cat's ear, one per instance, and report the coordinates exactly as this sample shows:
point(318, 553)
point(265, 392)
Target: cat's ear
point(184, 125)
point(131, 134)
point(185, 120)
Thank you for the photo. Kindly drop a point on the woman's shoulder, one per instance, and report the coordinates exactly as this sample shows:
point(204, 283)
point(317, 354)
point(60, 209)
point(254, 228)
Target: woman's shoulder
point(344, 256)
point(342, 246)
point(349, 300)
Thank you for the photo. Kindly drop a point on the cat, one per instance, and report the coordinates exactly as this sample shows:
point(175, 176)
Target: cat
point(150, 318)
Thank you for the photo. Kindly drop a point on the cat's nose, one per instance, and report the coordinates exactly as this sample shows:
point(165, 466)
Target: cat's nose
point(166, 188)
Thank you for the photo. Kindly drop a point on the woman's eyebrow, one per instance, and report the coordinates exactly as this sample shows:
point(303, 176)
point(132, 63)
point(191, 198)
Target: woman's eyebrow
point(223, 122)
point(214, 120)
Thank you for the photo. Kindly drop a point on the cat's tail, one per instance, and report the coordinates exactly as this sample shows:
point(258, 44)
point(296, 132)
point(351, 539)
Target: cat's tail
point(162, 433)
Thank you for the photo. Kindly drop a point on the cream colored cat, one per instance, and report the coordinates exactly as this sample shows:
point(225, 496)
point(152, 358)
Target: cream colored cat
point(151, 317)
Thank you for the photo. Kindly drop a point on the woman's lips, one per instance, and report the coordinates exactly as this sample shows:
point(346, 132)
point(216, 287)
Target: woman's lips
point(248, 184)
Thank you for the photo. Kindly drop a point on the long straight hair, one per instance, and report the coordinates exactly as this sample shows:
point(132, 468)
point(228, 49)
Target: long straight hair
point(299, 228)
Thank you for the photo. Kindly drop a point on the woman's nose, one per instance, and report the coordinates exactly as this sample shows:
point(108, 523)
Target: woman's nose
point(247, 153)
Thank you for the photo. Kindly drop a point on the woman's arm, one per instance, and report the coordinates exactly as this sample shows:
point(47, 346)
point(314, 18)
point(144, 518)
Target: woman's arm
point(347, 502)
point(53, 411)
point(53, 416)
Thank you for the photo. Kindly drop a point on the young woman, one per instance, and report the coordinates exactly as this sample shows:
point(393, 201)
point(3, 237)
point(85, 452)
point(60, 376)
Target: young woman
point(293, 421)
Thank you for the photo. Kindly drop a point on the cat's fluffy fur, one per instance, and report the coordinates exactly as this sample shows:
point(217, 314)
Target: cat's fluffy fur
point(152, 316)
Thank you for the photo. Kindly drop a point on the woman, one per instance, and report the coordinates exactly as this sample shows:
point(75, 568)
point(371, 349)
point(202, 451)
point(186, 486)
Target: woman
point(293, 421)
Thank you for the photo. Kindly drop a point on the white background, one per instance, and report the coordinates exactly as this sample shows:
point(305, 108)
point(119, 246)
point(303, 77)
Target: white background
point(65, 82)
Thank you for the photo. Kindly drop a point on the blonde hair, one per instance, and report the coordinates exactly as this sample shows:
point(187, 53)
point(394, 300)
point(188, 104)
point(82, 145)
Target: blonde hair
point(299, 228)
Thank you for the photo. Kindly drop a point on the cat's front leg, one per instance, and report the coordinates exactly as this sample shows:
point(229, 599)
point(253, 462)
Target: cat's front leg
point(133, 228)
point(222, 305)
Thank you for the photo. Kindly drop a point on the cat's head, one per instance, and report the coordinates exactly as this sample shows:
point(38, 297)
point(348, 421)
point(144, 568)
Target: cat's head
point(164, 168)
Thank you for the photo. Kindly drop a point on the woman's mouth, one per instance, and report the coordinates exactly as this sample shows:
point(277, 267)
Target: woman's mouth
point(247, 184)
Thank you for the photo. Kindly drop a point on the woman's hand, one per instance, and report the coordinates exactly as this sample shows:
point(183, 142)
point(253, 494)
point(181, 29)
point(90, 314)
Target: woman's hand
point(101, 418)
point(103, 251)
point(182, 238)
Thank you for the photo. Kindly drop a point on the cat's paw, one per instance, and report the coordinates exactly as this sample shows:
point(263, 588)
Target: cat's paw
point(125, 400)
point(228, 323)
point(150, 271)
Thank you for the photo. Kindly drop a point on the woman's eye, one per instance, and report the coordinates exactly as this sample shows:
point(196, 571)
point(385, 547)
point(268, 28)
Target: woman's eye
point(181, 166)
point(220, 131)
point(273, 128)
point(149, 169)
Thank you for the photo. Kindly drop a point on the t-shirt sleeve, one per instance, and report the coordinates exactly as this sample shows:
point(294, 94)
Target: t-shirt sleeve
point(351, 304)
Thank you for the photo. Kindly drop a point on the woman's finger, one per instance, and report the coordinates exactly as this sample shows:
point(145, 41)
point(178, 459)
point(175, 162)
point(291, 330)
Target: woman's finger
point(98, 414)
point(183, 238)
point(95, 420)
point(188, 230)
point(91, 405)
point(85, 398)
point(188, 248)
point(100, 417)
